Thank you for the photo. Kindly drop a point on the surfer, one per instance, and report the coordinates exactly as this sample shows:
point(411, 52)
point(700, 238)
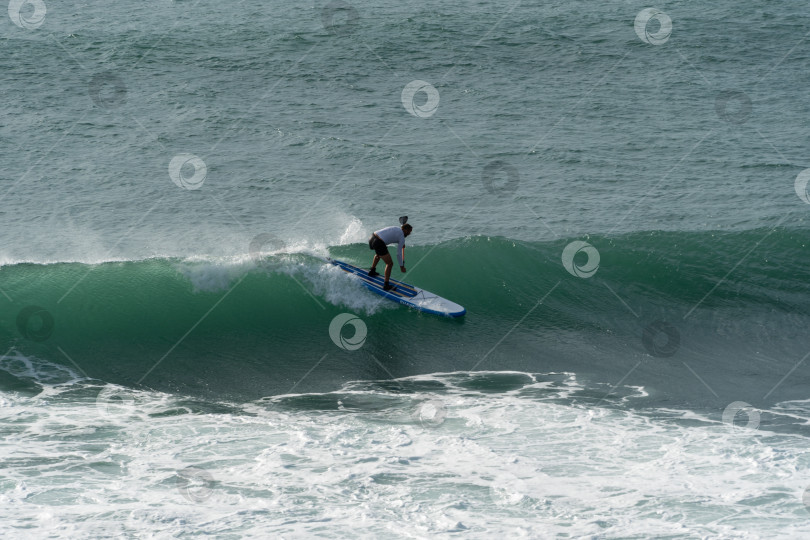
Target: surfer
point(379, 243)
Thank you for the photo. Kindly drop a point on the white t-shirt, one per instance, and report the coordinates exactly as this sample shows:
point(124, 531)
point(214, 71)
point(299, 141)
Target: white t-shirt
point(391, 235)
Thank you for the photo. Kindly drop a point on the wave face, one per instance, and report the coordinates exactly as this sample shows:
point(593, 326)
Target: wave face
point(696, 318)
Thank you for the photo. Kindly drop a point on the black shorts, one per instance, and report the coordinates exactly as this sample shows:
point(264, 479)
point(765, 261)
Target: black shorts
point(378, 246)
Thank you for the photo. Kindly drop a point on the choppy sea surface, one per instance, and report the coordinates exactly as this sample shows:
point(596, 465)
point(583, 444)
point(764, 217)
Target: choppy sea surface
point(616, 192)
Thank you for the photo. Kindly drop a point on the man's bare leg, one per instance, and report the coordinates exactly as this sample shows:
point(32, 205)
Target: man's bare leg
point(389, 264)
point(374, 262)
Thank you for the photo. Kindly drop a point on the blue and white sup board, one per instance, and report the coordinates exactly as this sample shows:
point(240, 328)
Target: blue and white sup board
point(404, 294)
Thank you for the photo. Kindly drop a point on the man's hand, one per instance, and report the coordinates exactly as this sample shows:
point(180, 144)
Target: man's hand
point(402, 269)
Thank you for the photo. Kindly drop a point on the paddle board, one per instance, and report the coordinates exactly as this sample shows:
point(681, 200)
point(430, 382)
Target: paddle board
point(404, 294)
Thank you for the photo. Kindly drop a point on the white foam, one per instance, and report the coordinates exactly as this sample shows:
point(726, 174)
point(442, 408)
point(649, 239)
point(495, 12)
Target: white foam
point(207, 275)
point(71, 244)
point(36, 369)
point(323, 282)
point(355, 233)
point(501, 464)
point(336, 287)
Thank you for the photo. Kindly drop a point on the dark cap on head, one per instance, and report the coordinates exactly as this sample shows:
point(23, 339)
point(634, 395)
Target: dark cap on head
point(407, 227)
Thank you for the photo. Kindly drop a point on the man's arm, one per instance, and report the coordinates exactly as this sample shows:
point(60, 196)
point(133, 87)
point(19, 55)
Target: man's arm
point(401, 253)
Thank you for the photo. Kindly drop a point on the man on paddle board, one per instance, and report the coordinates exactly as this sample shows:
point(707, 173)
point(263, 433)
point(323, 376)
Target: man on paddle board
point(379, 243)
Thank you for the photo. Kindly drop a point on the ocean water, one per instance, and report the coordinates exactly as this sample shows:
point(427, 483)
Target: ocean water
point(616, 192)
